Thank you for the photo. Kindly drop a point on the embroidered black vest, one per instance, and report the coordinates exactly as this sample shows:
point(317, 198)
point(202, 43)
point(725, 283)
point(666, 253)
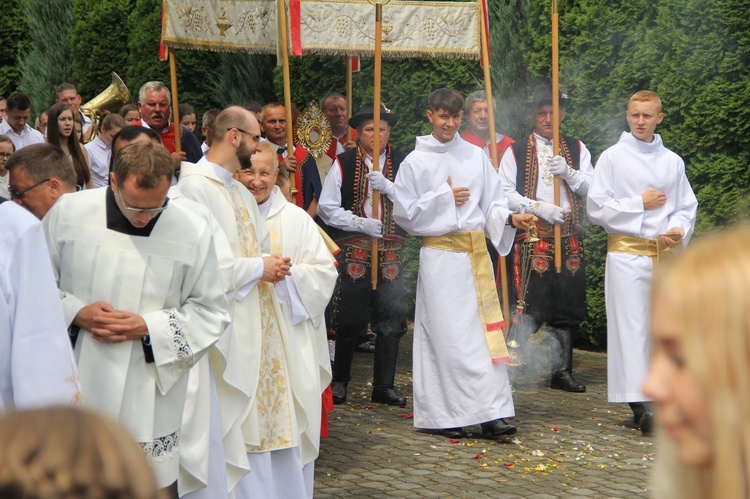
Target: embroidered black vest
point(354, 188)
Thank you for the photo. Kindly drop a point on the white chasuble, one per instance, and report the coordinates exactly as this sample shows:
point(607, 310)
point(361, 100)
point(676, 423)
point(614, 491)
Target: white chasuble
point(170, 279)
point(621, 175)
point(306, 294)
point(455, 381)
point(258, 324)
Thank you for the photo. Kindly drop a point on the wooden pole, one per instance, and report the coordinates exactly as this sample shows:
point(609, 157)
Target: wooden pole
point(376, 124)
point(284, 42)
point(556, 124)
point(348, 96)
point(495, 164)
point(175, 102)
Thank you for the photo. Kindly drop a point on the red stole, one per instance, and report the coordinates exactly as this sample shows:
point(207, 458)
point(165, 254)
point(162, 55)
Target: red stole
point(300, 154)
point(504, 143)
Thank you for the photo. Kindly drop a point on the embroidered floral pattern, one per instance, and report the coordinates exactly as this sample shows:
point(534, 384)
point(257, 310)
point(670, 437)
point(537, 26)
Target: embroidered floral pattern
point(178, 343)
point(161, 448)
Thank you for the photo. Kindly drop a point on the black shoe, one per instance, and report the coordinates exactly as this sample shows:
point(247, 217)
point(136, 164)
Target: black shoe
point(338, 388)
point(647, 423)
point(387, 396)
point(454, 433)
point(564, 380)
point(496, 429)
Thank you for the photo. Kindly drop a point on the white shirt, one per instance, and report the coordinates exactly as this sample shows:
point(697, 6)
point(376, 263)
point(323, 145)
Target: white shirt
point(329, 206)
point(99, 154)
point(27, 137)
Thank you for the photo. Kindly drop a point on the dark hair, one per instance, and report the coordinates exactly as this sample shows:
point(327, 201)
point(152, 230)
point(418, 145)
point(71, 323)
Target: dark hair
point(186, 109)
point(74, 146)
point(446, 99)
point(253, 106)
point(62, 87)
point(332, 95)
point(19, 101)
point(210, 115)
point(110, 121)
point(124, 110)
point(147, 161)
point(42, 161)
point(130, 133)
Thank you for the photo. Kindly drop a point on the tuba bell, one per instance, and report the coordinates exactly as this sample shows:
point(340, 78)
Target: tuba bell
point(111, 99)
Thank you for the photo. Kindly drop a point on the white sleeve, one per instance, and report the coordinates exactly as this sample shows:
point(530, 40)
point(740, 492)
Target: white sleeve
point(329, 204)
point(620, 216)
point(508, 171)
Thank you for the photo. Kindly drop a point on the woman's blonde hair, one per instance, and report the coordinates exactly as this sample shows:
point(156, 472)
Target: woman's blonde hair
point(68, 452)
point(709, 288)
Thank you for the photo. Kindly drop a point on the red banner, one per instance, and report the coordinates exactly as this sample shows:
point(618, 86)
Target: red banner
point(486, 21)
point(296, 27)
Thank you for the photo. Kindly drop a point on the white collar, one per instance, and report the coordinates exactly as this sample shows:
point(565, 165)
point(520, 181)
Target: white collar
point(223, 174)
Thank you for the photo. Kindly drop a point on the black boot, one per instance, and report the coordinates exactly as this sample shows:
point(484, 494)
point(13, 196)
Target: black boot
point(342, 368)
point(562, 372)
point(384, 372)
point(497, 428)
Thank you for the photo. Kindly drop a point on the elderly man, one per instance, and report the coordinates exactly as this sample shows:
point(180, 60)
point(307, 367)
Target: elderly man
point(548, 297)
point(346, 206)
point(67, 93)
point(303, 295)
point(137, 277)
point(301, 163)
point(273, 426)
point(39, 175)
point(153, 104)
point(478, 118)
point(16, 126)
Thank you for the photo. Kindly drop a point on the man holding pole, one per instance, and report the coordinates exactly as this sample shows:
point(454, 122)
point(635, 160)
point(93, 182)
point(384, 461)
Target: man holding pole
point(346, 206)
point(527, 171)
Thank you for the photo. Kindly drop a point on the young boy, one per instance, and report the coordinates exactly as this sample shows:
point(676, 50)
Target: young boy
point(640, 195)
point(448, 192)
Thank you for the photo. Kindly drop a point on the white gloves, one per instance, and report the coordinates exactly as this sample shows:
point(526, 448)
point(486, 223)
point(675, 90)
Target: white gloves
point(370, 226)
point(380, 183)
point(559, 166)
point(547, 211)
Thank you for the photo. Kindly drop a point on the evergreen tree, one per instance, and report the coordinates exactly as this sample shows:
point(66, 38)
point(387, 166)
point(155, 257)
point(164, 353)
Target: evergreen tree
point(13, 40)
point(243, 77)
point(48, 61)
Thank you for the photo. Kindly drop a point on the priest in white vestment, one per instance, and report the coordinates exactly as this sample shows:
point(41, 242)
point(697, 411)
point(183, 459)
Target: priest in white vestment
point(303, 295)
point(448, 192)
point(273, 425)
point(36, 362)
point(640, 195)
point(138, 277)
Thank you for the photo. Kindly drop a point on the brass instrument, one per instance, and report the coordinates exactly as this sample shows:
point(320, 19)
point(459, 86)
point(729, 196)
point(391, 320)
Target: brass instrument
point(111, 99)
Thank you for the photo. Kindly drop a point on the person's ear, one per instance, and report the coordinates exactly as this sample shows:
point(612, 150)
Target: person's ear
point(429, 115)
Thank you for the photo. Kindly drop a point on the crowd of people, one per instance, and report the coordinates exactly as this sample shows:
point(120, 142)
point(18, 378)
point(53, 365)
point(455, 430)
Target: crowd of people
point(190, 291)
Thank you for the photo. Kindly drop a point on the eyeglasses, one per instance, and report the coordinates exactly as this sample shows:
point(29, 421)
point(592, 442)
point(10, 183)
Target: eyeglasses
point(138, 211)
point(5, 155)
point(15, 194)
point(256, 138)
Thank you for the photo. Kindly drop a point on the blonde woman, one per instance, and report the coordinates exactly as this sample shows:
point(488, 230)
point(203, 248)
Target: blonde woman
point(699, 376)
point(67, 452)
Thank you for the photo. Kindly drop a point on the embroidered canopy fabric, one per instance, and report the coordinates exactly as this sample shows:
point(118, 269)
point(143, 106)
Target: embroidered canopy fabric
point(326, 27)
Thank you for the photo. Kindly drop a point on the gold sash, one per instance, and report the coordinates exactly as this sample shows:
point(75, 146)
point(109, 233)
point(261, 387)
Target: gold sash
point(490, 312)
point(633, 245)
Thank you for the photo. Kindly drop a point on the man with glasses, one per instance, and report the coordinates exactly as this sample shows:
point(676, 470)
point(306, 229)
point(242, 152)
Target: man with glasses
point(300, 163)
point(138, 279)
point(273, 426)
point(39, 175)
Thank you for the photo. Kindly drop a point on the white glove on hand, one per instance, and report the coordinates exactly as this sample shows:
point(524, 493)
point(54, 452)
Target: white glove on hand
point(559, 166)
point(380, 183)
point(547, 211)
point(370, 226)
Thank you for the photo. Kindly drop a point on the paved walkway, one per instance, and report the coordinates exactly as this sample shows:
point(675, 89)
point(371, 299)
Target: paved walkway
point(567, 445)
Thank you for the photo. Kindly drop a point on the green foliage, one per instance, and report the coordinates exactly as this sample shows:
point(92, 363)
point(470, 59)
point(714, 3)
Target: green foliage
point(93, 61)
point(13, 40)
point(241, 78)
point(48, 61)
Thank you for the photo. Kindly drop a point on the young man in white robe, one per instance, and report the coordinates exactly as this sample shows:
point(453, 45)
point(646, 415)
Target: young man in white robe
point(641, 196)
point(137, 278)
point(37, 368)
point(273, 424)
point(447, 192)
point(303, 295)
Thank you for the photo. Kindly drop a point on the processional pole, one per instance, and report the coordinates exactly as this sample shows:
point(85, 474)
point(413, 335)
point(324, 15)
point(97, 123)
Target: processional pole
point(556, 125)
point(349, 71)
point(175, 102)
point(284, 42)
point(493, 152)
point(376, 124)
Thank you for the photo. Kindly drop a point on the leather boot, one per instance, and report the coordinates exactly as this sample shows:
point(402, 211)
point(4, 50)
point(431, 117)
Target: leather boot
point(562, 371)
point(342, 368)
point(384, 372)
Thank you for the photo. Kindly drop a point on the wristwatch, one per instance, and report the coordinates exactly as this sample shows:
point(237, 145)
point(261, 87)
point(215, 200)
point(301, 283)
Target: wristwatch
point(509, 221)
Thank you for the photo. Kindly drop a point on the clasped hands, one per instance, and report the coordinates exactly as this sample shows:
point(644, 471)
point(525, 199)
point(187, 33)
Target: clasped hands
point(276, 268)
point(109, 325)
